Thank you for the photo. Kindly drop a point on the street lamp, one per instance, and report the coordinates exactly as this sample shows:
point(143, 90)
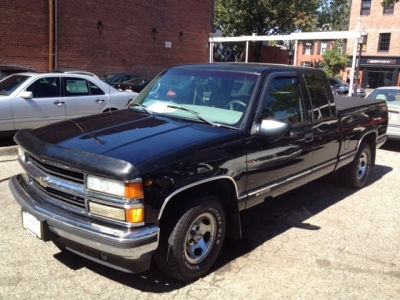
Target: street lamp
point(361, 41)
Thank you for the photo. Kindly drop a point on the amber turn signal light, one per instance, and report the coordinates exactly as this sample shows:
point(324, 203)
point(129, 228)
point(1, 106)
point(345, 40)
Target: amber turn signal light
point(133, 190)
point(134, 215)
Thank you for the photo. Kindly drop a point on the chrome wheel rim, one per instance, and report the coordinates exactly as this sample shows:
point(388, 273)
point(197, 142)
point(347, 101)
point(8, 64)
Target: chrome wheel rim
point(362, 165)
point(200, 238)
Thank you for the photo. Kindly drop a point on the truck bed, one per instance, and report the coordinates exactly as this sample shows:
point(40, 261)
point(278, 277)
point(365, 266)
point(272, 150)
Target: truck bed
point(345, 103)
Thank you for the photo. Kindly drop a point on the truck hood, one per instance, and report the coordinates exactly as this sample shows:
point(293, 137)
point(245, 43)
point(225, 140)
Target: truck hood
point(132, 136)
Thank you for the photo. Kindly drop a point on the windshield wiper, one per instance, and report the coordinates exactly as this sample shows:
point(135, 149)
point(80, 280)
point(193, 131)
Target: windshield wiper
point(194, 113)
point(142, 107)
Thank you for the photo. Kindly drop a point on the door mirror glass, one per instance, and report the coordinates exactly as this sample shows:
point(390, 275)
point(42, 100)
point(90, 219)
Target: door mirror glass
point(27, 95)
point(272, 128)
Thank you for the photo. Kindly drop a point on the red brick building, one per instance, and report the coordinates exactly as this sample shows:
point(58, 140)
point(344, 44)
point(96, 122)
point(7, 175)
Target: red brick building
point(380, 59)
point(105, 36)
point(309, 53)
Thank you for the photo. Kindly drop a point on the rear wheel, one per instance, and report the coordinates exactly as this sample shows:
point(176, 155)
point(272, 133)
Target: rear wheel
point(356, 174)
point(189, 247)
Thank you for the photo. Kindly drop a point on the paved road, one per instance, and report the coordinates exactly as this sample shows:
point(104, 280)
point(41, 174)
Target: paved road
point(322, 241)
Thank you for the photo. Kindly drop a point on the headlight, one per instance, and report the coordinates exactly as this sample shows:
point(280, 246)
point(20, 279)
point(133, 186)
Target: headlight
point(115, 187)
point(21, 153)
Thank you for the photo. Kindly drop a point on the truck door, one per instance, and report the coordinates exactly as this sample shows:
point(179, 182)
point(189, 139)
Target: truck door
point(325, 125)
point(277, 164)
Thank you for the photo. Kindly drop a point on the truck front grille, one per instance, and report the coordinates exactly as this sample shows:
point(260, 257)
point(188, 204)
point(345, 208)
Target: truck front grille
point(57, 171)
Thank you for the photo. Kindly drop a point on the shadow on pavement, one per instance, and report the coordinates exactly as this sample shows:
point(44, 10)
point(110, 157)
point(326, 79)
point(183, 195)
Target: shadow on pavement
point(7, 141)
point(259, 224)
point(392, 145)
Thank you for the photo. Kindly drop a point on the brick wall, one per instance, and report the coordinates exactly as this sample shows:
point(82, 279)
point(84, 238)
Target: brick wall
point(124, 43)
point(24, 33)
point(374, 23)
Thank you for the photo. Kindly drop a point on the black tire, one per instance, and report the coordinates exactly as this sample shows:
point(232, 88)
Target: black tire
point(356, 174)
point(189, 247)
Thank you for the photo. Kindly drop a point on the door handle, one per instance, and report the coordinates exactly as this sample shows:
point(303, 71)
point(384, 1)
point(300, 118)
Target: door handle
point(309, 137)
point(58, 103)
point(99, 100)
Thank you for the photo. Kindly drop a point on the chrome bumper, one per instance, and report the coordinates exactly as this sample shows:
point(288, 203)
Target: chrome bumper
point(127, 243)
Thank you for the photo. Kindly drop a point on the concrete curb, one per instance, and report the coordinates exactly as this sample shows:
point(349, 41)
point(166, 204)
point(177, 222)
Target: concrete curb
point(10, 150)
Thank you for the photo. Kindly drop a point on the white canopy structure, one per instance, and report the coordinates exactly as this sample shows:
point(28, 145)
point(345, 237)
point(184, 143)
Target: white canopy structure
point(325, 35)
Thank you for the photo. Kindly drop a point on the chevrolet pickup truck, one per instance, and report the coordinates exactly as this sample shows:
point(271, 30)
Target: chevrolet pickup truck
point(165, 179)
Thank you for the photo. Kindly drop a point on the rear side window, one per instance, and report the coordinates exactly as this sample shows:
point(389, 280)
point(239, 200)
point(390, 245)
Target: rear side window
point(45, 87)
point(76, 87)
point(319, 94)
point(94, 89)
point(284, 101)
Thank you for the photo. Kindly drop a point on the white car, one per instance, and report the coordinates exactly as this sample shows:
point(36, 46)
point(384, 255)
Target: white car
point(391, 94)
point(29, 100)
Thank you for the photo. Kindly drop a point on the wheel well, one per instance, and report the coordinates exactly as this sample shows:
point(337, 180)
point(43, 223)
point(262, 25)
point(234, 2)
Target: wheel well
point(371, 140)
point(223, 189)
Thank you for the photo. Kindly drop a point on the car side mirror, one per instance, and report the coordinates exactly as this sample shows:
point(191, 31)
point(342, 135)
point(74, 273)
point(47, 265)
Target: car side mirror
point(272, 128)
point(26, 95)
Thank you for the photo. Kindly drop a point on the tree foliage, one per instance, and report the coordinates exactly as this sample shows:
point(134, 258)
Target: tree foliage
point(334, 60)
point(336, 13)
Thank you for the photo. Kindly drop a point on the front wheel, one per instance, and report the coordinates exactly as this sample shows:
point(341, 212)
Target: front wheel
point(356, 174)
point(189, 248)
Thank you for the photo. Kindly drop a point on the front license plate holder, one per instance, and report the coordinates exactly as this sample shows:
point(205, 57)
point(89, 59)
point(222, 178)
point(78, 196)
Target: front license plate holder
point(32, 224)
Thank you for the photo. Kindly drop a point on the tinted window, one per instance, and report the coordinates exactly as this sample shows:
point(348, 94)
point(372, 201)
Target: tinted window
point(283, 101)
point(94, 89)
point(319, 95)
point(45, 87)
point(75, 87)
point(10, 84)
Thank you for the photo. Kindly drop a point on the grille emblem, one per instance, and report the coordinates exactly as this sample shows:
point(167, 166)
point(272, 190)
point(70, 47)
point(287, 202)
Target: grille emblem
point(42, 181)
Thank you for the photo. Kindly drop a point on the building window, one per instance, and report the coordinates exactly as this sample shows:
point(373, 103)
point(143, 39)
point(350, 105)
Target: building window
point(306, 63)
point(389, 9)
point(323, 46)
point(365, 7)
point(308, 48)
point(384, 42)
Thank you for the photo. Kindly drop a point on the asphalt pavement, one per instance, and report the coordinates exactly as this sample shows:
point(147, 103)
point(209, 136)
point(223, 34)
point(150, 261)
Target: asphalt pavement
point(321, 241)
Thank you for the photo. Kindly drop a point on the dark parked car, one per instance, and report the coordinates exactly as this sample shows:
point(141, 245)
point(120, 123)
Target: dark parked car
point(114, 79)
point(168, 177)
point(342, 88)
point(133, 85)
point(6, 70)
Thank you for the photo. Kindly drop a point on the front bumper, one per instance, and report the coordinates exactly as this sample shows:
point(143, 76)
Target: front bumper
point(129, 248)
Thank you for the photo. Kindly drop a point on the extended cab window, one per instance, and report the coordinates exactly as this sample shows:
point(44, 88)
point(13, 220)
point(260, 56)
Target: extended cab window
point(317, 88)
point(283, 101)
point(76, 87)
point(45, 87)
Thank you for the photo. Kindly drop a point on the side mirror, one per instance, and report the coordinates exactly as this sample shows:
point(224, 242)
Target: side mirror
point(272, 128)
point(26, 95)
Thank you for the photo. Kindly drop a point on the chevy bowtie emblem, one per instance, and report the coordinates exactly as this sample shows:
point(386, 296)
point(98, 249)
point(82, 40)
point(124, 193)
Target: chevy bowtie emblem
point(42, 181)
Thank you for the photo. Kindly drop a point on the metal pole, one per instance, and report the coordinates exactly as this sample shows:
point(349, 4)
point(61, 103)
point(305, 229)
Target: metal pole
point(247, 52)
point(295, 53)
point(211, 56)
point(353, 64)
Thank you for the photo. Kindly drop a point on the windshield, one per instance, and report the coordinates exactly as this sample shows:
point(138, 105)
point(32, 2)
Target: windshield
point(217, 97)
point(391, 96)
point(11, 83)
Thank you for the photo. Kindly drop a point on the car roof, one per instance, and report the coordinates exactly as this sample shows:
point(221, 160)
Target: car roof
point(242, 67)
point(388, 88)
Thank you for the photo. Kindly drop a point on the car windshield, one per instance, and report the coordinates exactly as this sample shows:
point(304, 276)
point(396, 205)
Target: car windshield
point(214, 97)
point(11, 83)
point(107, 77)
point(391, 96)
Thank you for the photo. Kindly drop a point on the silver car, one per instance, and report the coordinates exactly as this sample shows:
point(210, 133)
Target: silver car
point(391, 94)
point(29, 100)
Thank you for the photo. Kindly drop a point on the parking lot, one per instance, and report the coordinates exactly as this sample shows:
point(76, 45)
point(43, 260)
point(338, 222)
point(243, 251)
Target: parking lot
point(321, 241)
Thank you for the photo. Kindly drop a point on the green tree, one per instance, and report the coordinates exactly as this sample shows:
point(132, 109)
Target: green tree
point(334, 60)
point(263, 17)
point(336, 13)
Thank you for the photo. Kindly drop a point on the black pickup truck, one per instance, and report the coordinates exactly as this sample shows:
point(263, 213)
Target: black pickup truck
point(165, 180)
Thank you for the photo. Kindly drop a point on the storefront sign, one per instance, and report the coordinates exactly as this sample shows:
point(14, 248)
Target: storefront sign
point(381, 61)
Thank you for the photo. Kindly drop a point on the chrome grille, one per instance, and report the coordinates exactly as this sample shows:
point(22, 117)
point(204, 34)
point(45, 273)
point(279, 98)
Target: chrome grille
point(57, 171)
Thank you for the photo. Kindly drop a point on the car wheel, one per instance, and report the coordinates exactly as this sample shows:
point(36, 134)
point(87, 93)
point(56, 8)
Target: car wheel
point(189, 247)
point(356, 174)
